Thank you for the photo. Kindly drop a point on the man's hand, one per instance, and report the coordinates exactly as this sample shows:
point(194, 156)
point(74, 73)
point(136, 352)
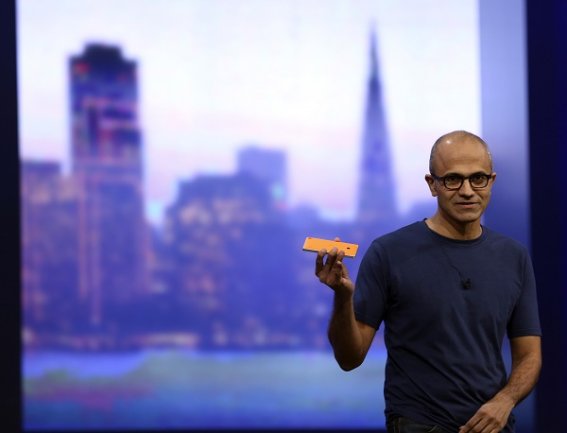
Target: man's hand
point(491, 417)
point(333, 272)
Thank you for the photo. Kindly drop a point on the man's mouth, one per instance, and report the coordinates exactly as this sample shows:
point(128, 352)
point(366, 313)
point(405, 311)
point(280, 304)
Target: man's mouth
point(466, 204)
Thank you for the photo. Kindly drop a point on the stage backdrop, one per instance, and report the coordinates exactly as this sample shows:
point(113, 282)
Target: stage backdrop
point(175, 155)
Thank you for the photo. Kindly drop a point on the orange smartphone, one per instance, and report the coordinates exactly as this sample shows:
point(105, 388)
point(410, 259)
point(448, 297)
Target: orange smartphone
point(316, 244)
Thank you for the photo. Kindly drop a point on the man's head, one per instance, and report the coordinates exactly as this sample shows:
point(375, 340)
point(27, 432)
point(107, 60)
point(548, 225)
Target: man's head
point(452, 137)
point(461, 177)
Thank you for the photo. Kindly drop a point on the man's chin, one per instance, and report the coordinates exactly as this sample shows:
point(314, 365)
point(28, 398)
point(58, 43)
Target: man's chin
point(467, 219)
point(467, 216)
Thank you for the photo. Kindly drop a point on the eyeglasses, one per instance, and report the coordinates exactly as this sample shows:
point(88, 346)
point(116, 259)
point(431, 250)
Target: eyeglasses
point(454, 181)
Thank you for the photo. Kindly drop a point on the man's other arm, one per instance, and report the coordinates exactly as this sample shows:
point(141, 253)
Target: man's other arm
point(526, 365)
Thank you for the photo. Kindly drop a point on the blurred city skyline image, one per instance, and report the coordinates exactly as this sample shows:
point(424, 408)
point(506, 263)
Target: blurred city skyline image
point(285, 75)
point(175, 155)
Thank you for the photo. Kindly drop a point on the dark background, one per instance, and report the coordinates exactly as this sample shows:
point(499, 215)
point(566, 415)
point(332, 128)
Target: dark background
point(546, 47)
point(547, 90)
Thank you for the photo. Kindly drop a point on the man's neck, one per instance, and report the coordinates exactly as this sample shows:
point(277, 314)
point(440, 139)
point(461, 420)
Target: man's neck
point(464, 231)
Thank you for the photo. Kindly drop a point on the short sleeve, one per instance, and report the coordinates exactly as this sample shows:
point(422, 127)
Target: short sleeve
point(370, 294)
point(524, 320)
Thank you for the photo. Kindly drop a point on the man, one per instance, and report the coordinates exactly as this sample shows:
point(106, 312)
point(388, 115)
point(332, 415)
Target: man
point(448, 289)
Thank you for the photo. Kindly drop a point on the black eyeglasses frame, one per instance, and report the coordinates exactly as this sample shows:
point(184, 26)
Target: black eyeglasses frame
point(443, 179)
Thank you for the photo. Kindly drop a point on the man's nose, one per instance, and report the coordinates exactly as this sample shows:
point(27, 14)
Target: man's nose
point(466, 188)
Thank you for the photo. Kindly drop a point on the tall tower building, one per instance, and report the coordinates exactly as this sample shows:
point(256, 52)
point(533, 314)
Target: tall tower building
point(376, 200)
point(107, 165)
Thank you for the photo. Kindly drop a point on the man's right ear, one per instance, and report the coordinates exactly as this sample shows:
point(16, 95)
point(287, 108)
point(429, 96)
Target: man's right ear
point(431, 184)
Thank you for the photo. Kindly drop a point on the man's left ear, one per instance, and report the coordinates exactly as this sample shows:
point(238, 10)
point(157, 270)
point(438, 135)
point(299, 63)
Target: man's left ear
point(431, 184)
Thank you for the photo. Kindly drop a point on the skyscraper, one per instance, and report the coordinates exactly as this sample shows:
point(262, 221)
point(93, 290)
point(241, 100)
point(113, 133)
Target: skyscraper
point(376, 199)
point(49, 248)
point(107, 165)
point(269, 166)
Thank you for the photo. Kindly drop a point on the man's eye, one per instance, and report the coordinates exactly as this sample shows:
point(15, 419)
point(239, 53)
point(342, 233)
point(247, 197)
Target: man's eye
point(478, 179)
point(452, 179)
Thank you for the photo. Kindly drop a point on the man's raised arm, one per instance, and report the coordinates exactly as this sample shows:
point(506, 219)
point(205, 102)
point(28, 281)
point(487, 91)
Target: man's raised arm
point(350, 339)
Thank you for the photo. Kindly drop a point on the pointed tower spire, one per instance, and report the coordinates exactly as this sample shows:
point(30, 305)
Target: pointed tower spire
point(376, 202)
point(373, 56)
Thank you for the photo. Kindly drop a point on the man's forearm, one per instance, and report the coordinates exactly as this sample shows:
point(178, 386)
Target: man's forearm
point(344, 334)
point(523, 378)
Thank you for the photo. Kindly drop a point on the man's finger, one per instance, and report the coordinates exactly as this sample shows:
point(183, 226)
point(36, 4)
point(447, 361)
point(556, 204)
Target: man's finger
point(319, 261)
point(331, 258)
point(338, 264)
point(476, 423)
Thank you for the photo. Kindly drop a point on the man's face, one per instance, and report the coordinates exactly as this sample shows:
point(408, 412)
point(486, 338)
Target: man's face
point(462, 157)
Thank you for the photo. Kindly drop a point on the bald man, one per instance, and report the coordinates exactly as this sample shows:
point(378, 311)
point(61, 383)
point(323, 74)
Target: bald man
point(448, 290)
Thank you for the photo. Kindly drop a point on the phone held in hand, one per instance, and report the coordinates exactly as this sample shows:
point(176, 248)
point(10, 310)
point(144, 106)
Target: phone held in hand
point(317, 244)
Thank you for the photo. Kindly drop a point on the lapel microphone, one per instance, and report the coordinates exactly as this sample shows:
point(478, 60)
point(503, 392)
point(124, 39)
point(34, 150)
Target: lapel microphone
point(466, 283)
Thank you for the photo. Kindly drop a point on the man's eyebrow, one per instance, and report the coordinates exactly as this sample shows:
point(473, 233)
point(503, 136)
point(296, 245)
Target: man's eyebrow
point(452, 173)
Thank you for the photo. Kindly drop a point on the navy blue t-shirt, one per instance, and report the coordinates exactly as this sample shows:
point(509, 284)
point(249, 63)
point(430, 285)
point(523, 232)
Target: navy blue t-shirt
point(446, 305)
